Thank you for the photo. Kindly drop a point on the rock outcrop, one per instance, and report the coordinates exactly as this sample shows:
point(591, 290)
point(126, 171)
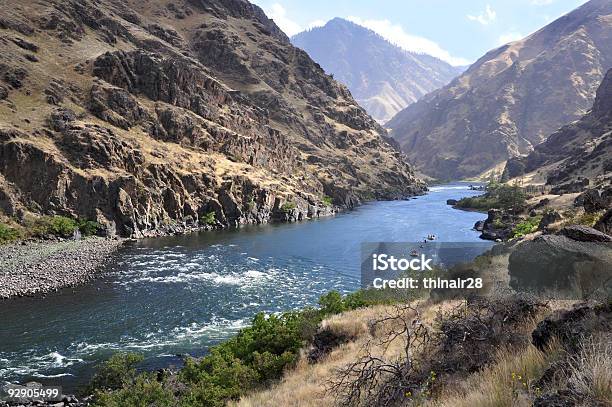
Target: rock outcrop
point(499, 225)
point(584, 234)
point(511, 99)
point(160, 117)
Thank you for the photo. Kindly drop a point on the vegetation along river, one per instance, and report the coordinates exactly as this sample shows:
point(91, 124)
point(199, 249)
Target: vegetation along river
point(169, 296)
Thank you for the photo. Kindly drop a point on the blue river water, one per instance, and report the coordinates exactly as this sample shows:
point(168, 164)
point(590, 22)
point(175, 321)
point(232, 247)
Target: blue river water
point(170, 296)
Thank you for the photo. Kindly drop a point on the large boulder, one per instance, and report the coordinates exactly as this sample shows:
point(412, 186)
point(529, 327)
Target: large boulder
point(560, 267)
point(584, 234)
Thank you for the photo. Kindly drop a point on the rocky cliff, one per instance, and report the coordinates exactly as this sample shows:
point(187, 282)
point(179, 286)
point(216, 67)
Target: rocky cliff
point(512, 98)
point(383, 77)
point(577, 155)
point(149, 116)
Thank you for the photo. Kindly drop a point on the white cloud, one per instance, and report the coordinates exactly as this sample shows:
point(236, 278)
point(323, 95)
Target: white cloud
point(315, 23)
point(509, 37)
point(541, 2)
point(278, 13)
point(486, 17)
point(395, 34)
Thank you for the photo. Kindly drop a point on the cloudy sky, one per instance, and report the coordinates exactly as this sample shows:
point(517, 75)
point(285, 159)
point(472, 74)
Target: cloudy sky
point(457, 31)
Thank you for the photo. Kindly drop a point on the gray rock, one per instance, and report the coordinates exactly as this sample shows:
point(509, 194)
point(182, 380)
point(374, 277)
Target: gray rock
point(549, 218)
point(555, 265)
point(604, 224)
point(584, 234)
point(571, 327)
point(577, 185)
point(593, 201)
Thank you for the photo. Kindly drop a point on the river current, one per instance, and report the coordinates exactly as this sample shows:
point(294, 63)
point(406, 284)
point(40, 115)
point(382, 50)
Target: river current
point(170, 296)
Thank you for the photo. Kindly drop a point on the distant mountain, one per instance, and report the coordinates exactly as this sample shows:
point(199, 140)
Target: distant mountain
point(512, 98)
point(577, 152)
point(382, 77)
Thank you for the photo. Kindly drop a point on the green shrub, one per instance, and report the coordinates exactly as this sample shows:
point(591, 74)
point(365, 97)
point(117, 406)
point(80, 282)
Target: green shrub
point(88, 227)
point(210, 218)
point(288, 207)
point(498, 196)
point(8, 234)
point(511, 196)
point(332, 303)
point(62, 226)
point(116, 372)
point(526, 227)
point(145, 391)
point(327, 200)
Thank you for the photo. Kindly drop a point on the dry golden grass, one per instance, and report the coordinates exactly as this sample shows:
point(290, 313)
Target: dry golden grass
point(508, 383)
point(590, 371)
point(304, 386)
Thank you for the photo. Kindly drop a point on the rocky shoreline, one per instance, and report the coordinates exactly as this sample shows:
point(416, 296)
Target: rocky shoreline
point(37, 267)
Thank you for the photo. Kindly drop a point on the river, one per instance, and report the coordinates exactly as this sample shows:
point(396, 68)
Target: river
point(170, 296)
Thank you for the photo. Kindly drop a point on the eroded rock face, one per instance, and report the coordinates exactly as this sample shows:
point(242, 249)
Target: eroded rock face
point(577, 156)
point(512, 98)
point(150, 127)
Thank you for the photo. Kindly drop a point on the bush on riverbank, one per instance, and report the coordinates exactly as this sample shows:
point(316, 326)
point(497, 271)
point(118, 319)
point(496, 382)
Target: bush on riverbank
point(60, 226)
point(498, 196)
point(257, 356)
point(115, 372)
point(8, 234)
point(45, 226)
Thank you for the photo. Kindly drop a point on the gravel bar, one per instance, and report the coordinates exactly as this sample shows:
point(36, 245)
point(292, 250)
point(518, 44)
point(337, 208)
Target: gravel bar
point(29, 268)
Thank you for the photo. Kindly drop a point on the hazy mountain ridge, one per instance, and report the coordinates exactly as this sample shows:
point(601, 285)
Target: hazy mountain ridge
point(382, 77)
point(148, 116)
point(512, 98)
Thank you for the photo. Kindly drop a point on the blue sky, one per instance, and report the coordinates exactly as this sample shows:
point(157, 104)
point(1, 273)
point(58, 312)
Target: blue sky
point(458, 31)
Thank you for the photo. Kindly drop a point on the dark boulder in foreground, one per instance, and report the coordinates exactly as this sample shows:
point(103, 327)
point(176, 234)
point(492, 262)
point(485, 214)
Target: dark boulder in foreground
point(557, 266)
point(571, 327)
